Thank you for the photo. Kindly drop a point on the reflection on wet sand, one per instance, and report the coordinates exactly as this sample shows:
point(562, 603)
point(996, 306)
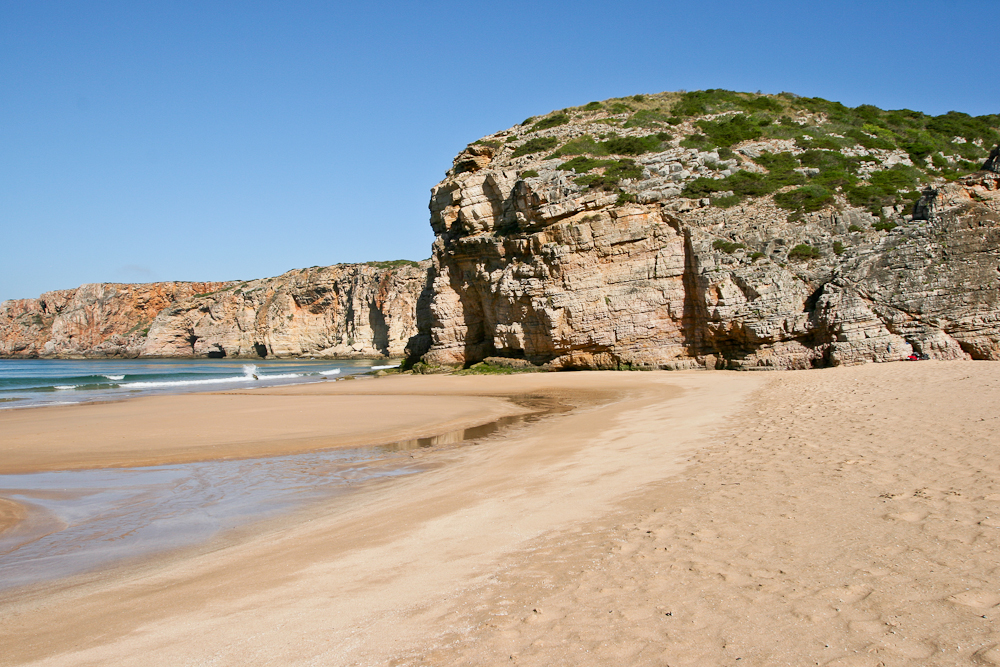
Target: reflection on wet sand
point(64, 523)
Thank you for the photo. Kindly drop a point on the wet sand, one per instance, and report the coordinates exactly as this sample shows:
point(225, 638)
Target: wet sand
point(240, 424)
point(843, 516)
point(11, 514)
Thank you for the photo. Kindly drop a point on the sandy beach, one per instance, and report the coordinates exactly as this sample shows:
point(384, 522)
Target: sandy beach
point(845, 516)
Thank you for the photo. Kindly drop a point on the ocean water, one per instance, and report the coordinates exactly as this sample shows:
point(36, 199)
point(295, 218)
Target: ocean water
point(38, 382)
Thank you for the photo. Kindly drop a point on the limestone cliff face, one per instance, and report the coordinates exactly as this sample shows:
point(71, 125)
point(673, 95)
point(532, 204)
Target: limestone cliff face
point(338, 311)
point(341, 311)
point(96, 320)
point(532, 260)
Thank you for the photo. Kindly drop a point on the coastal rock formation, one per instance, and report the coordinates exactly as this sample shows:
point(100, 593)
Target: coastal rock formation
point(342, 311)
point(95, 320)
point(728, 237)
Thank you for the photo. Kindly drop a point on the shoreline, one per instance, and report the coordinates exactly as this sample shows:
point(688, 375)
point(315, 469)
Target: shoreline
point(245, 423)
point(837, 516)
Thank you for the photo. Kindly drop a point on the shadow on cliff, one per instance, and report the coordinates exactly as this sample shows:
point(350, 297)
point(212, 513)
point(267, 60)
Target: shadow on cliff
point(418, 344)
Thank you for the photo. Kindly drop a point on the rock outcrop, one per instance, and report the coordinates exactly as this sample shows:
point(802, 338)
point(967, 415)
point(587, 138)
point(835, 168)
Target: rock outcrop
point(647, 262)
point(342, 311)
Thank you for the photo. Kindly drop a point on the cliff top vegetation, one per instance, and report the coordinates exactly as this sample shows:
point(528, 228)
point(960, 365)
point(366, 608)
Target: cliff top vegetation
point(807, 153)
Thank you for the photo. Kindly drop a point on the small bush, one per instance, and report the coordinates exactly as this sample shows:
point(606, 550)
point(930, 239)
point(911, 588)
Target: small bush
point(883, 188)
point(726, 202)
point(549, 122)
point(593, 106)
point(755, 256)
point(761, 104)
point(626, 198)
point(530, 173)
point(854, 228)
point(727, 247)
point(697, 141)
point(511, 139)
point(824, 143)
point(614, 173)
point(804, 251)
point(580, 145)
point(730, 131)
point(647, 118)
point(805, 199)
point(838, 248)
point(536, 145)
point(701, 102)
point(582, 165)
point(884, 226)
point(619, 108)
point(635, 145)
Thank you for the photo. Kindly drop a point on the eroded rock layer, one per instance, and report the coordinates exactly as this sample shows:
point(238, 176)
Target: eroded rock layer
point(630, 266)
point(342, 311)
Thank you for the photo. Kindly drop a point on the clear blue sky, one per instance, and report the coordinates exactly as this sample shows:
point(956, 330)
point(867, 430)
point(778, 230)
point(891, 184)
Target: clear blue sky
point(144, 141)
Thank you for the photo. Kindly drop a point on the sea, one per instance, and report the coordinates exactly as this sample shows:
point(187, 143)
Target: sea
point(89, 520)
point(26, 383)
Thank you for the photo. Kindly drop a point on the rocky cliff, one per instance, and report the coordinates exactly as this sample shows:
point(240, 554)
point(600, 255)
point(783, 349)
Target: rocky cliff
point(721, 229)
point(342, 311)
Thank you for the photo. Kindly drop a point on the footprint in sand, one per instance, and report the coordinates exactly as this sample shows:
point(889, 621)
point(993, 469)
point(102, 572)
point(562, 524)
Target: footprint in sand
point(977, 599)
point(847, 594)
point(855, 661)
point(813, 611)
point(910, 517)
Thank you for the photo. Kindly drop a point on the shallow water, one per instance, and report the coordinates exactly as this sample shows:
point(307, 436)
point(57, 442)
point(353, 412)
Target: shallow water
point(83, 520)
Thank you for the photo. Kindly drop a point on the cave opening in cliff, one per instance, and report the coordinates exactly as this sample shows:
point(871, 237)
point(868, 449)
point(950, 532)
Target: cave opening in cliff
point(260, 349)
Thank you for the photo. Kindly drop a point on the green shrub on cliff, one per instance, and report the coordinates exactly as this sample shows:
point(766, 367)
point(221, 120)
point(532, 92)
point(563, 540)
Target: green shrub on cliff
point(727, 247)
point(549, 122)
point(582, 145)
point(647, 118)
point(614, 173)
point(805, 199)
point(804, 251)
point(636, 145)
point(733, 130)
point(582, 165)
point(885, 188)
point(536, 145)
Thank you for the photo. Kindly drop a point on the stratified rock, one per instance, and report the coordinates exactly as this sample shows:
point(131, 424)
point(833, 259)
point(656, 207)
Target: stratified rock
point(533, 262)
point(95, 320)
point(342, 311)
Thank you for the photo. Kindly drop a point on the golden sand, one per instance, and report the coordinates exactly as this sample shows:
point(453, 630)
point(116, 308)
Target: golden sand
point(846, 516)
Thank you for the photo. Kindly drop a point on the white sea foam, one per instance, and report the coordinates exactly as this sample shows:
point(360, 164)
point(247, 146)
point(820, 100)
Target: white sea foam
point(332, 371)
point(381, 368)
point(64, 387)
point(226, 380)
point(114, 377)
